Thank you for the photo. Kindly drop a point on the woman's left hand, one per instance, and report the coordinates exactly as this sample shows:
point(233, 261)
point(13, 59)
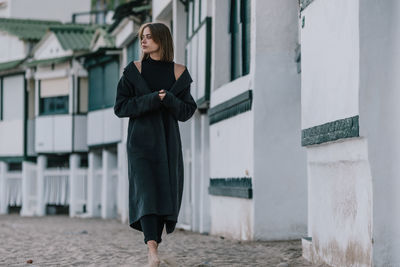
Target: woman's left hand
point(161, 94)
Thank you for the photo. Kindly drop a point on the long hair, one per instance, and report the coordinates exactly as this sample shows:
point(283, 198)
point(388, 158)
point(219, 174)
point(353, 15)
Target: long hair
point(162, 36)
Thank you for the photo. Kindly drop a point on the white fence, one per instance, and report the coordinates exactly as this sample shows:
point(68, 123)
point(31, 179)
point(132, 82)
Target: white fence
point(56, 186)
point(13, 190)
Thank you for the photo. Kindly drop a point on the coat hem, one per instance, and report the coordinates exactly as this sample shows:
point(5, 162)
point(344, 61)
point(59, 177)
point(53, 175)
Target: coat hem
point(169, 224)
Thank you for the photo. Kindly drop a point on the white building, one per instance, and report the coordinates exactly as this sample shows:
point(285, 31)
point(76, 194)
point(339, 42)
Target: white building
point(349, 114)
point(17, 156)
point(60, 108)
point(247, 175)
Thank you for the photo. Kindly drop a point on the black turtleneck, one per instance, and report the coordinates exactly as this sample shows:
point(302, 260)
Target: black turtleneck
point(158, 74)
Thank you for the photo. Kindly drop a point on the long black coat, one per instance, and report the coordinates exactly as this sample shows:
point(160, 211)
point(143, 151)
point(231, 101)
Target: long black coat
point(155, 162)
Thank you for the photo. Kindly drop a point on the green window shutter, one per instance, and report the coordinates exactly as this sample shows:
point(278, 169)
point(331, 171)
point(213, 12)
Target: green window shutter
point(95, 88)
point(235, 31)
point(133, 50)
point(111, 76)
point(1, 99)
point(246, 22)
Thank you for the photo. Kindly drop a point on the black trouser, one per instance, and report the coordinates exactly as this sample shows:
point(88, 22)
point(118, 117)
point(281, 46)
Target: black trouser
point(152, 226)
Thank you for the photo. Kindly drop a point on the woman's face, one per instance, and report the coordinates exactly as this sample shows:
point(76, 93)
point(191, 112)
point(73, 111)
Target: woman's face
point(148, 45)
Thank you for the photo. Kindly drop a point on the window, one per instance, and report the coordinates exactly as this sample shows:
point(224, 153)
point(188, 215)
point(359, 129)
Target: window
point(54, 95)
point(1, 99)
point(133, 50)
point(103, 81)
point(240, 37)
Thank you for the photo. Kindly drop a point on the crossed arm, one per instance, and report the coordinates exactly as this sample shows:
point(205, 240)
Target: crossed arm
point(127, 105)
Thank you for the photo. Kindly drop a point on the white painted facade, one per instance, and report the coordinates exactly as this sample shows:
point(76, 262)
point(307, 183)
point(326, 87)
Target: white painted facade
point(12, 123)
point(240, 146)
point(55, 9)
point(12, 119)
point(11, 47)
point(349, 69)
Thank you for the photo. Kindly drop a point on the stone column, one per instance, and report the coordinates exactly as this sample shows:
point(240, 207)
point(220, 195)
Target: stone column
point(41, 166)
point(106, 202)
point(92, 197)
point(3, 205)
point(74, 160)
point(123, 182)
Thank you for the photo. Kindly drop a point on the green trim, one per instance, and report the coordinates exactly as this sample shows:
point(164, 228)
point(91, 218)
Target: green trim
point(187, 20)
point(232, 107)
point(233, 187)
point(1, 98)
point(73, 111)
point(208, 56)
point(304, 4)
point(103, 145)
point(202, 102)
point(10, 64)
point(199, 12)
point(331, 131)
point(25, 119)
point(189, 38)
point(192, 15)
point(11, 159)
point(97, 58)
point(48, 61)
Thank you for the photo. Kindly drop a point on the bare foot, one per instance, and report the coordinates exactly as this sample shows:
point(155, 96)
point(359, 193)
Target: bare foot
point(154, 260)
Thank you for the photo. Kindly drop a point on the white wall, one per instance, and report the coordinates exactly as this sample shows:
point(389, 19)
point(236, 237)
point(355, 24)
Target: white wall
point(103, 127)
point(330, 61)
point(340, 202)
point(379, 116)
point(54, 9)
point(340, 181)
point(161, 9)
point(53, 133)
point(12, 125)
point(11, 48)
point(280, 183)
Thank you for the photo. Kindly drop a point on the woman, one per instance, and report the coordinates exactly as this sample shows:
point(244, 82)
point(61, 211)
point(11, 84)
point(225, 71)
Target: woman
point(155, 94)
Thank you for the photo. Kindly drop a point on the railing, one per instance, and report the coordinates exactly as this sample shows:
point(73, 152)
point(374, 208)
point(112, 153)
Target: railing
point(56, 186)
point(13, 188)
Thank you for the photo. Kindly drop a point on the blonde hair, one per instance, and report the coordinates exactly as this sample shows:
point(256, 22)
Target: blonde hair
point(161, 35)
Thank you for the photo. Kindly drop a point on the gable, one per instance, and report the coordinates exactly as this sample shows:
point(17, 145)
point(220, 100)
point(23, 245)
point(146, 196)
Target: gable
point(50, 47)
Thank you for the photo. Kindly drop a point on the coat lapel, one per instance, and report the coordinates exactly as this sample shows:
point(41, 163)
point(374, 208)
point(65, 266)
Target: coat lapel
point(136, 78)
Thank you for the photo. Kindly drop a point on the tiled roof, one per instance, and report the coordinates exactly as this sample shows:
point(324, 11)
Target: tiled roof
point(74, 36)
point(48, 61)
point(26, 29)
point(108, 39)
point(10, 64)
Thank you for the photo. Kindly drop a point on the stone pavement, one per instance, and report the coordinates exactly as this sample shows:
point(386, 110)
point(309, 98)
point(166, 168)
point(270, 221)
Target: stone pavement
point(57, 240)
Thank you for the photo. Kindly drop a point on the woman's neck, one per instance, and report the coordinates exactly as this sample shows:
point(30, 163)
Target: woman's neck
point(155, 56)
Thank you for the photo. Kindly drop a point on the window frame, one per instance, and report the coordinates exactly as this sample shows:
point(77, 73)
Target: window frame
point(46, 101)
point(240, 31)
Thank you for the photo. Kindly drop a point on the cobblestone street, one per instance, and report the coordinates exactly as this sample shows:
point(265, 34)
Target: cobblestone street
point(58, 240)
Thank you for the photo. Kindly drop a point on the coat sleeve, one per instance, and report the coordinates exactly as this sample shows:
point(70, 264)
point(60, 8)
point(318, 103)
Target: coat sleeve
point(128, 105)
point(182, 107)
